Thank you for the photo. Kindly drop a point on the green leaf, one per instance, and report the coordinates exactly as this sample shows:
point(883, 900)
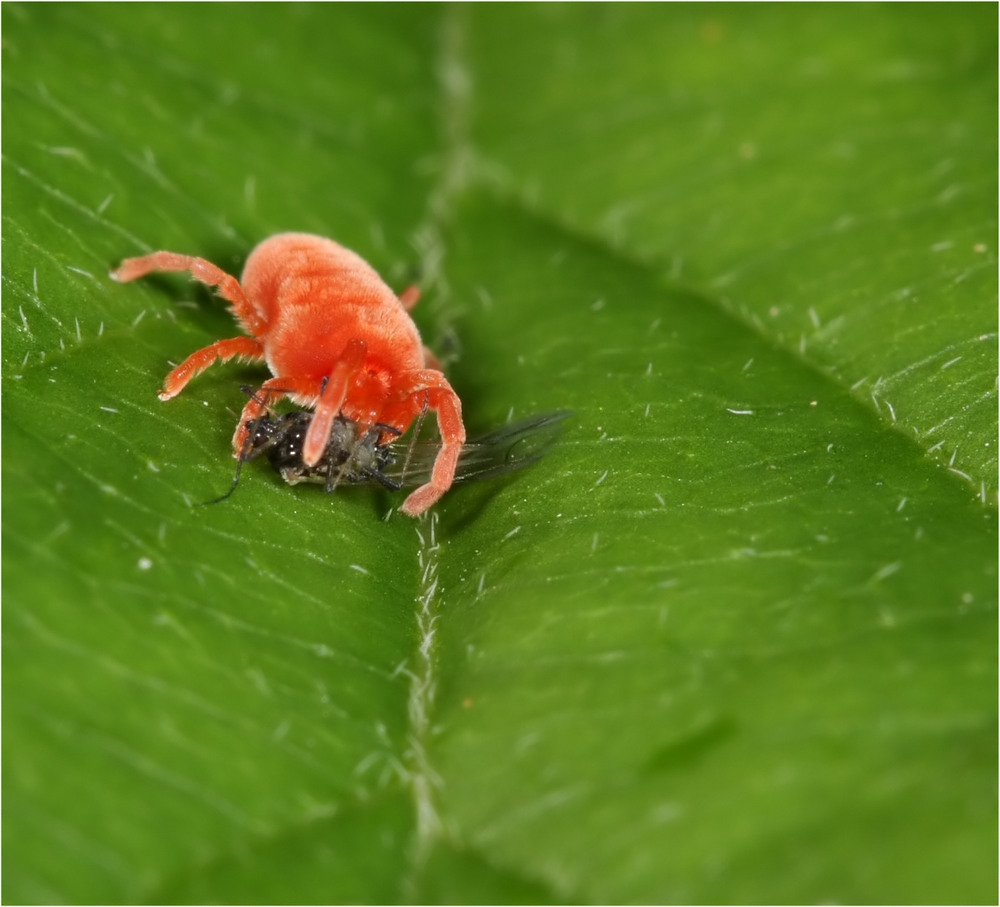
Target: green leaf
point(733, 640)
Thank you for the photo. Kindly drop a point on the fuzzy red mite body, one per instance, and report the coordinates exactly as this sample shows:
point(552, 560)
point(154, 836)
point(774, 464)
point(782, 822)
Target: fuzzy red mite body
point(336, 339)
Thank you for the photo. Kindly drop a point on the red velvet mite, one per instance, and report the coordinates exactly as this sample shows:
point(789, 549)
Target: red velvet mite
point(336, 339)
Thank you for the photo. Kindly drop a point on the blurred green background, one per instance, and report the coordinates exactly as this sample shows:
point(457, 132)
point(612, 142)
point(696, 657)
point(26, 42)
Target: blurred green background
point(734, 640)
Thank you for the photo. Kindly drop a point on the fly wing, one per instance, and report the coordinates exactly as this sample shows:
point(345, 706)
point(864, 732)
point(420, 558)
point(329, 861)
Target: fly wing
point(405, 464)
point(506, 450)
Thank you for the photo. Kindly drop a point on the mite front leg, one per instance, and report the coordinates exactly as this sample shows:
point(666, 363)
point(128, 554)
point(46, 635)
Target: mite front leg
point(444, 401)
point(271, 391)
point(332, 399)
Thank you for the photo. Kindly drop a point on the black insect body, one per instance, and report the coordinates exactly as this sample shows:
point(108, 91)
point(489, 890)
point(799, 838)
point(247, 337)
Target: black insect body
point(348, 457)
point(367, 459)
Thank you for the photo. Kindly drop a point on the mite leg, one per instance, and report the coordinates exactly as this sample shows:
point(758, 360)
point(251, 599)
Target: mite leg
point(222, 350)
point(410, 297)
point(332, 400)
point(444, 401)
point(228, 286)
point(270, 391)
point(432, 361)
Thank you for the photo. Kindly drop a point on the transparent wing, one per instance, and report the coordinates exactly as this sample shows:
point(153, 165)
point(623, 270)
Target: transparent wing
point(404, 464)
point(503, 451)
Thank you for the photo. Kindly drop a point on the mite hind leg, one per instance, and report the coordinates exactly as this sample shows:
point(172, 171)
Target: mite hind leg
point(201, 270)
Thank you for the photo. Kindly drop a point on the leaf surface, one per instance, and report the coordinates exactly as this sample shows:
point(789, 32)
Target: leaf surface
point(732, 640)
